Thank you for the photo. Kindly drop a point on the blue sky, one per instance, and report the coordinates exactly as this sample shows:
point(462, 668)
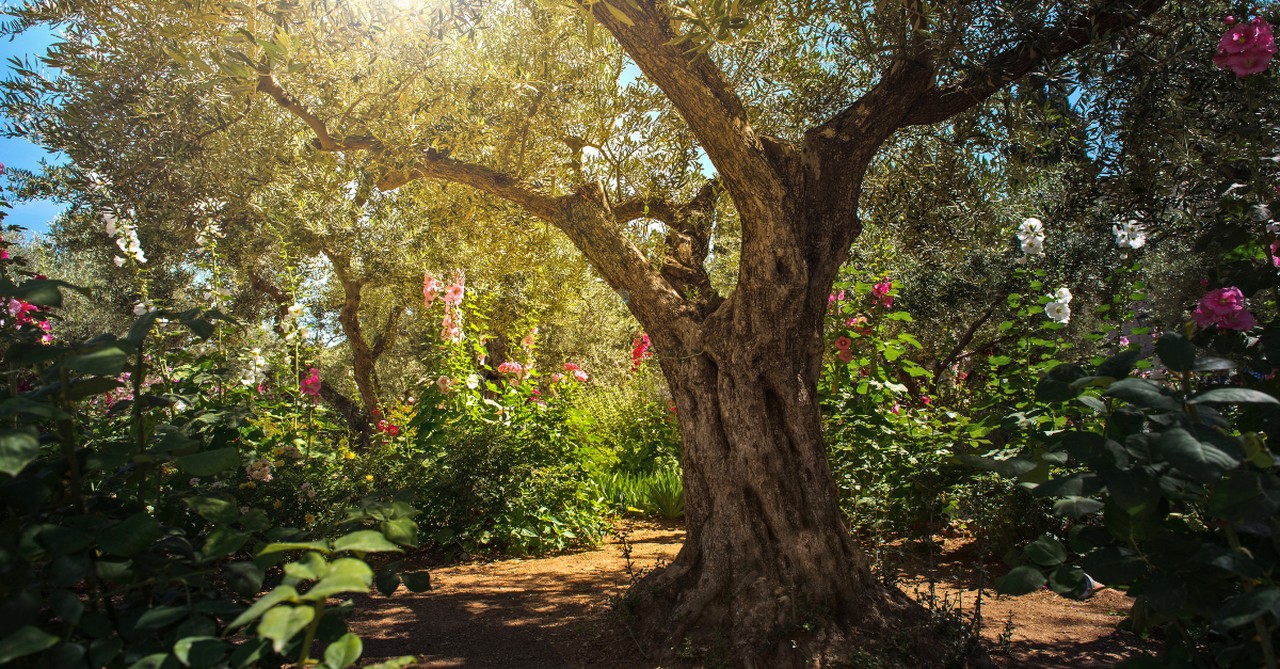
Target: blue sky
point(34, 216)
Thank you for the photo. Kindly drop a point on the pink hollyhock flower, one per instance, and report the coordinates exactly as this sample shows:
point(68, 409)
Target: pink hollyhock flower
point(580, 375)
point(452, 334)
point(571, 367)
point(846, 356)
point(843, 343)
point(4, 254)
point(510, 367)
point(444, 383)
point(1246, 48)
point(453, 294)
point(1240, 321)
point(311, 384)
point(1223, 301)
point(555, 378)
point(1202, 317)
point(926, 400)
point(896, 409)
point(1224, 307)
point(1124, 341)
point(1275, 253)
point(430, 289)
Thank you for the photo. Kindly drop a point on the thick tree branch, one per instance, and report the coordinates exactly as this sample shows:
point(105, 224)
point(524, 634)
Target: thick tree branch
point(1097, 24)
point(747, 162)
point(436, 164)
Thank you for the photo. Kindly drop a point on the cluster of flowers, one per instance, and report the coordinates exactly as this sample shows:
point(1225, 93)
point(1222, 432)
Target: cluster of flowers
point(1031, 237)
point(1058, 308)
point(293, 330)
point(451, 325)
point(843, 351)
point(22, 311)
point(255, 375)
point(880, 291)
point(640, 351)
point(388, 428)
point(1246, 48)
point(1129, 234)
point(573, 371)
point(126, 235)
point(1224, 307)
point(259, 470)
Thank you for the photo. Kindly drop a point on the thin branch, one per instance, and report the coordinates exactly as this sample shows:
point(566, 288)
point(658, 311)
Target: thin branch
point(1095, 25)
point(326, 142)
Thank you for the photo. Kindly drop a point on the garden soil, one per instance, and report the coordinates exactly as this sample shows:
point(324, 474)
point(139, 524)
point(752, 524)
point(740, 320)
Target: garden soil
point(558, 612)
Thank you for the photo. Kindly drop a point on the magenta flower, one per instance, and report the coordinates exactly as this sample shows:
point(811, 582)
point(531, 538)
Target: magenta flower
point(571, 367)
point(843, 343)
point(311, 384)
point(1246, 48)
point(1275, 253)
point(1224, 308)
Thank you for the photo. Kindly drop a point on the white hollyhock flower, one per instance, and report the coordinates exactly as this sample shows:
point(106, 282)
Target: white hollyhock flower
point(1030, 229)
point(1033, 246)
point(1058, 311)
point(1063, 295)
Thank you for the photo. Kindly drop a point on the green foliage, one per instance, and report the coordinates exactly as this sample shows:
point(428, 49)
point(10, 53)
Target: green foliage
point(109, 555)
point(656, 493)
point(1170, 502)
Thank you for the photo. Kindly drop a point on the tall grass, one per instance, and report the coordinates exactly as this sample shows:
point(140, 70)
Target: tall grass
point(657, 494)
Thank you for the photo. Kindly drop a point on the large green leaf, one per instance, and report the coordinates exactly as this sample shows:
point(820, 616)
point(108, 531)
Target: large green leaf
point(402, 531)
point(160, 616)
point(200, 652)
point(18, 448)
point(1198, 459)
point(21, 405)
point(365, 541)
point(1046, 551)
point(1246, 607)
point(283, 623)
point(1234, 396)
point(1176, 352)
point(416, 581)
point(209, 463)
point(106, 361)
point(344, 652)
point(1076, 507)
point(135, 534)
point(1143, 393)
point(24, 642)
point(1020, 581)
point(281, 593)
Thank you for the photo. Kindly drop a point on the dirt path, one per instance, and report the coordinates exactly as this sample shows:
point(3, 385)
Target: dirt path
point(557, 613)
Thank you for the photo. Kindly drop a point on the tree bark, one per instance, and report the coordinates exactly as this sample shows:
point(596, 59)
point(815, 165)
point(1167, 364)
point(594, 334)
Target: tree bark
point(769, 576)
